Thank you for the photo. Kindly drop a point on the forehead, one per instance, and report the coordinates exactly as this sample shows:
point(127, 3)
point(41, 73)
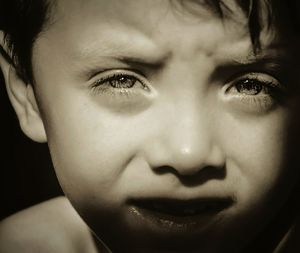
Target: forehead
point(124, 9)
point(86, 34)
point(141, 22)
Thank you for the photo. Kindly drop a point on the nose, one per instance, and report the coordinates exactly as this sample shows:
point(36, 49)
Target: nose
point(187, 142)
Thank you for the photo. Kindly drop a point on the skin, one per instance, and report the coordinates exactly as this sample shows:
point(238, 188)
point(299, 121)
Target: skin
point(184, 112)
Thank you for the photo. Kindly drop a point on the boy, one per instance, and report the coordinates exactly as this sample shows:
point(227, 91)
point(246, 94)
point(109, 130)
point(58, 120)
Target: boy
point(167, 122)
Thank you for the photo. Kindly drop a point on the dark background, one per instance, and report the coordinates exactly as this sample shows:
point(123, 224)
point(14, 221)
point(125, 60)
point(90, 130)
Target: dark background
point(26, 172)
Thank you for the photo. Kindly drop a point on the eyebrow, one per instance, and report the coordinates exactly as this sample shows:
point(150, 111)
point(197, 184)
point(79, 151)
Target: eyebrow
point(105, 52)
point(274, 64)
point(148, 63)
point(90, 69)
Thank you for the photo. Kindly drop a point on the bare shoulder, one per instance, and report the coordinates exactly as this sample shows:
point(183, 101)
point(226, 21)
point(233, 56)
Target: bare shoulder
point(52, 226)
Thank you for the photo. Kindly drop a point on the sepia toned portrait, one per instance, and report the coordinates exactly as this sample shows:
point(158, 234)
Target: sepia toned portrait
point(150, 126)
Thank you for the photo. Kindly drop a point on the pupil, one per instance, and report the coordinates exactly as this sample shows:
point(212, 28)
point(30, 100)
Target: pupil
point(249, 87)
point(122, 82)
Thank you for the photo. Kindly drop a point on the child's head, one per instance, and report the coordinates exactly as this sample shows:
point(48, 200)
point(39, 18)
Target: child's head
point(167, 131)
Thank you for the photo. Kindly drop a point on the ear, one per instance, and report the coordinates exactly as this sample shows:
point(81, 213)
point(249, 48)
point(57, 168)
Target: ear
point(22, 98)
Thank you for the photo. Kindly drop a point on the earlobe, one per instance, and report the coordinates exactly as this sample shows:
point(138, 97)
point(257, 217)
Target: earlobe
point(23, 100)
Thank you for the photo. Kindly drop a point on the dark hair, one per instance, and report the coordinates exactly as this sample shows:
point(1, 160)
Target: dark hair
point(23, 20)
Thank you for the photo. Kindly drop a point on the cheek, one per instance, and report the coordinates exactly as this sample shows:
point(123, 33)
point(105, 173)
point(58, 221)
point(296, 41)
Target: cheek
point(90, 147)
point(256, 152)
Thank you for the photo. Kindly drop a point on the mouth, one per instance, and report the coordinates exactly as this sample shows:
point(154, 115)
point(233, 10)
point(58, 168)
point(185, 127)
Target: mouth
point(175, 215)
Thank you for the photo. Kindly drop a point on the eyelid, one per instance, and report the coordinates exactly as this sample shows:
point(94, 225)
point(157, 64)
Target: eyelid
point(259, 76)
point(273, 93)
point(110, 73)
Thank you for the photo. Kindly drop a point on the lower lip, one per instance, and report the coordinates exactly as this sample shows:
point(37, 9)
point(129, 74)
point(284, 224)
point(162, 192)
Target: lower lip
point(164, 223)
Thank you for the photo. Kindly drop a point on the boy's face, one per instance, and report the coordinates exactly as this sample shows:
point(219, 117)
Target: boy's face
point(165, 132)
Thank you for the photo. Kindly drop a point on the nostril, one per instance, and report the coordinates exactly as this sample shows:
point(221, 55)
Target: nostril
point(198, 177)
point(165, 170)
point(204, 175)
point(185, 156)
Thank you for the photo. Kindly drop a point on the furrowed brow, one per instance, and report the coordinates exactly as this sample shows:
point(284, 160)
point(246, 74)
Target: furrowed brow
point(125, 62)
point(277, 64)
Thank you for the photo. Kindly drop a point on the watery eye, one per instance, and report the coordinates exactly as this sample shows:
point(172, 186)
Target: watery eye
point(254, 92)
point(120, 82)
point(249, 87)
point(255, 84)
point(122, 90)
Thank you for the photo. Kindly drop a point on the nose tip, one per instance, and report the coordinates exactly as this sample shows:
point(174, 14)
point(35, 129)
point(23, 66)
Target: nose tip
point(185, 140)
point(186, 160)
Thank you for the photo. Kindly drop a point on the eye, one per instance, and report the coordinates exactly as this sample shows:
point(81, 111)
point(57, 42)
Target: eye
point(122, 91)
point(249, 87)
point(120, 82)
point(255, 92)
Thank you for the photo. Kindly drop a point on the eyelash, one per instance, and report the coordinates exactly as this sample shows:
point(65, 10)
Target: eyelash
point(264, 93)
point(109, 83)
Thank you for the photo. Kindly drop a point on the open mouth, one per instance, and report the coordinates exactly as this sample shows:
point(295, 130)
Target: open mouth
point(181, 208)
point(179, 214)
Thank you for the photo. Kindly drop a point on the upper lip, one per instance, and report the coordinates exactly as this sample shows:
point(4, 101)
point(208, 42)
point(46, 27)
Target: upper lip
point(179, 207)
